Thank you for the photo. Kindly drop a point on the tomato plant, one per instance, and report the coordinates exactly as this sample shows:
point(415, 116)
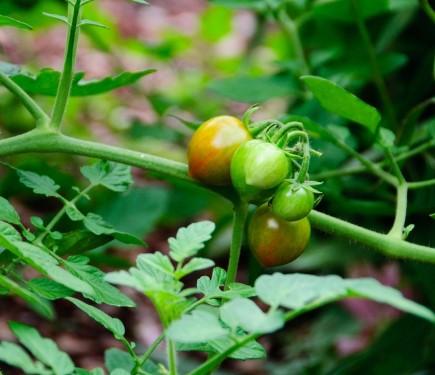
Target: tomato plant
point(76, 235)
point(212, 147)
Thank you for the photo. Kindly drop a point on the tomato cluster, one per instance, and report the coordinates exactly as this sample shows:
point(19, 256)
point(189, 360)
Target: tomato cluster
point(223, 152)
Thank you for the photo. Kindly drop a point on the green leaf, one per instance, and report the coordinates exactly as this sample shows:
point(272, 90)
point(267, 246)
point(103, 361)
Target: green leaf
point(254, 89)
point(43, 349)
point(341, 102)
point(8, 213)
point(9, 21)
point(38, 304)
point(14, 355)
point(123, 278)
point(47, 81)
point(103, 292)
point(97, 225)
point(45, 263)
point(386, 138)
point(211, 286)
point(78, 242)
point(43, 185)
point(49, 289)
point(57, 17)
point(118, 359)
point(190, 240)
point(196, 327)
point(9, 232)
point(244, 313)
point(86, 22)
point(112, 324)
point(297, 290)
point(372, 289)
point(114, 176)
point(195, 264)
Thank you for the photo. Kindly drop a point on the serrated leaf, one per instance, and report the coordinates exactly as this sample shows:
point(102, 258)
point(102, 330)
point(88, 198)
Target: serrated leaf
point(43, 185)
point(103, 292)
point(297, 290)
point(341, 102)
point(112, 324)
point(78, 242)
point(123, 278)
point(8, 212)
point(9, 232)
point(38, 304)
point(196, 327)
point(190, 240)
point(114, 176)
point(46, 82)
point(372, 289)
point(43, 349)
point(49, 289)
point(244, 313)
point(15, 356)
point(9, 21)
point(211, 286)
point(195, 264)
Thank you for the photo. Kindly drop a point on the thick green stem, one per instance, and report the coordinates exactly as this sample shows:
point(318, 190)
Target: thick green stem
point(428, 9)
point(35, 110)
point(172, 358)
point(376, 70)
point(67, 76)
point(239, 221)
point(384, 243)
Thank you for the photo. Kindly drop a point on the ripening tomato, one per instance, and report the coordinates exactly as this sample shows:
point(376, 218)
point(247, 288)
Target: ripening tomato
point(257, 167)
point(212, 147)
point(275, 241)
point(292, 202)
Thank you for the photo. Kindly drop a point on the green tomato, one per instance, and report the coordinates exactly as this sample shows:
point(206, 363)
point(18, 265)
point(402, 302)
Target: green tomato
point(292, 203)
point(257, 167)
point(275, 241)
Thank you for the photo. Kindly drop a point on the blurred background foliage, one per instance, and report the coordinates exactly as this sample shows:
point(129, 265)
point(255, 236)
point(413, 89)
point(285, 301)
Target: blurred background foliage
point(221, 57)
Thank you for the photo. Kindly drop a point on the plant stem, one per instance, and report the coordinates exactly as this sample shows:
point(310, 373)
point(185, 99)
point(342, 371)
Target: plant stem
point(400, 217)
point(372, 167)
point(144, 357)
point(361, 168)
point(376, 71)
point(428, 9)
point(291, 29)
point(172, 358)
point(64, 89)
point(35, 110)
point(239, 221)
point(60, 214)
point(43, 141)
point(421, 184)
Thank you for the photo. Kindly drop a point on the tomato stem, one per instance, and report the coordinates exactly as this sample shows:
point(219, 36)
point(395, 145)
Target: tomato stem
point(34, 109)
point(239, 221)
point(65, 84)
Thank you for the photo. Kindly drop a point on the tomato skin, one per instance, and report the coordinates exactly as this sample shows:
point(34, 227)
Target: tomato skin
point(257, 168)
point(275, 241)
point(212, 147)
point(292, 203)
